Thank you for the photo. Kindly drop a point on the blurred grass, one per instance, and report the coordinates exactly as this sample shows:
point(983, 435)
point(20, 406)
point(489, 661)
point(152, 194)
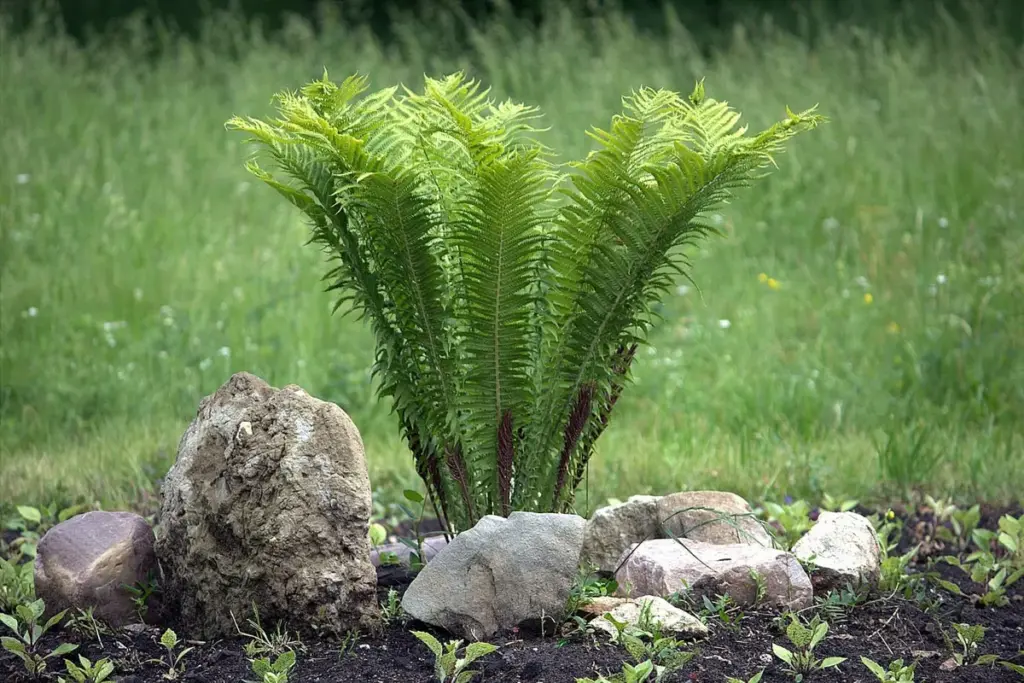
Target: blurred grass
point(140, 266)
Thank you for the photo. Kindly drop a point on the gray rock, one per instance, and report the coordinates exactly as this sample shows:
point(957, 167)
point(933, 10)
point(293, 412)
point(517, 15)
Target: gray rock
point(612, 529)
point(711, 517)
point(667, 566)
point(499, 574)
point(667, 617)
point(268, 504)
point(88, 560)
point(843, 548)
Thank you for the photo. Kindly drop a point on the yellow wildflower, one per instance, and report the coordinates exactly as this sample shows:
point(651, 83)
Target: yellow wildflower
point(773, 283)
point(893, 327)
point(762, 278)
point(868, 298)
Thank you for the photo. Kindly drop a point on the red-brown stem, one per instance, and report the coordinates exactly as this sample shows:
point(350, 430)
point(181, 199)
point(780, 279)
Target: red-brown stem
point(506, 457)
point(573, 431)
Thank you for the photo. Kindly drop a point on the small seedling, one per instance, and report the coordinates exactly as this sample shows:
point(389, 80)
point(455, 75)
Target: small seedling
point(894, 576)
point(794, 519)
point(888, 529)
point(756, 678)
point(630, 674)
point(896, 673)
point(141, 593)
point(969, 637)
point(644, 640)
point(29, 632)
point(173, 661)
point(448, 666)
point(87, 672)
point(276, 671)
point(962, 524)
point(586, 587)
point(723, 607)
point(348, 643)
point(1016, 668)
point(805, 639)
point(836, 603)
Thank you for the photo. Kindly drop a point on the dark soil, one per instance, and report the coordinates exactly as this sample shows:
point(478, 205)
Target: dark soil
point(882, 628)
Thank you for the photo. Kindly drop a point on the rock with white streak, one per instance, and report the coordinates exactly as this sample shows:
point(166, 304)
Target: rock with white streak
point(499, 574)
point(843, 548)
point(662, 615)
point(741, 571)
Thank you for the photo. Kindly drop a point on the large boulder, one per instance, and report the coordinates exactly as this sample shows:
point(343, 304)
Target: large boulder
point(499, 574)
point(268, 505)
point(612, 529)
point(91, 560)
point(717, 517)
point(843, 548)
point(667, 566)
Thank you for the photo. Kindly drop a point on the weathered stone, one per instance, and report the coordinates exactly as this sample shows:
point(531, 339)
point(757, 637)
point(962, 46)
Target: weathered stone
point(667, 566)
point(843, 548)
point(612, 529)
point(499, 574)
point(716, 517)
point(268, 504)
point(665, 616)
point(432, 545)
point(88, 560)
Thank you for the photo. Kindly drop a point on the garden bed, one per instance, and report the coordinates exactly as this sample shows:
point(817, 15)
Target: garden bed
point(917, 624)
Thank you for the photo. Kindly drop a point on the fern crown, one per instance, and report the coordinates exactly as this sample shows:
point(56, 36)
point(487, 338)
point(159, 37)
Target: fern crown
point(507, 293)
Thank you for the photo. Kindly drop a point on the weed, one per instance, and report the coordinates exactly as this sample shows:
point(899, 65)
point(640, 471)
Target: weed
point(645, 640)
point(260, 643)
point(969, 638)
point(448, 666)
point(805, 638)
point(725, 609)
point(169, 641)
point(391, 607)
point(896, 673)
point(836, 504)
point(142, 591)
point(893, 576)
point(836, 603)
point(587, 586)
point(29, 631)
point(86, 671)
point(348, 643)
point(84, 622)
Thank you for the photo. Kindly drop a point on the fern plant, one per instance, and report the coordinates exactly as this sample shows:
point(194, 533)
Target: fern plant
point(507, 293)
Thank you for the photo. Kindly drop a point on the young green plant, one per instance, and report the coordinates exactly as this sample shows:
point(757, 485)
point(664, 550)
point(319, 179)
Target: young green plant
point(29, 632)
point(508, 295)
point(169, 640)
point(448, 666)
point(86, 671)
point(802, 661)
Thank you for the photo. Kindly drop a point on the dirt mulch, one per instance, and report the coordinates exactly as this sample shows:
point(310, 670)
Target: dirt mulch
point(883, 628)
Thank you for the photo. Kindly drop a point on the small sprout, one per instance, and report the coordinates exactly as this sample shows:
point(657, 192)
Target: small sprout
point(87, 672)
point(175, 668)
point(805, 638)
point(276, 671)
point(448, 667)
point(756, 678)
point(391, 608)
point(630, 674)
point(896, 673)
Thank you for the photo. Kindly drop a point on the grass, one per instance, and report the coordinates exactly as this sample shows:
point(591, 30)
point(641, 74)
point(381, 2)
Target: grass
point(859, 327)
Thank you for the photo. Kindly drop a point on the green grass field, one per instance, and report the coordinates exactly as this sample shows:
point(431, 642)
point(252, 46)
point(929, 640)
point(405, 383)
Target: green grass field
point(859, 327)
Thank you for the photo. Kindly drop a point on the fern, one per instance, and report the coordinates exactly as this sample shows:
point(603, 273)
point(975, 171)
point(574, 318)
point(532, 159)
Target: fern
point(507, 294)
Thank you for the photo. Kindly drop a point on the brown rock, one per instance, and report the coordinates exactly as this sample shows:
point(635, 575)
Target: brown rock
point(88, 560)
point(711, 517)
point(667, 566)
point(268, 503)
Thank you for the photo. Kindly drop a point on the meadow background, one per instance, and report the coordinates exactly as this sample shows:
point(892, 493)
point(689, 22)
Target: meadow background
point(858, 328)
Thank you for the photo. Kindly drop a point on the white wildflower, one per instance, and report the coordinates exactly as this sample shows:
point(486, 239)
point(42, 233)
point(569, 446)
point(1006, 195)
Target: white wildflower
point(830, 224)
point(941, 279)
point(22, 178)
point(683, 290)
point(943, 223)
point(224, 351)
point(724, 324)
point(32, 311)
point(204, 364)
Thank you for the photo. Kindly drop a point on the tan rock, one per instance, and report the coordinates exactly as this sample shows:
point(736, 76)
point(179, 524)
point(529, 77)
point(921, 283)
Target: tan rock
point(666, 566)
point(598, 606)
point(268, 504)
point(88, 560)
point(612, 529)
point(711, 517)
point(843, 548)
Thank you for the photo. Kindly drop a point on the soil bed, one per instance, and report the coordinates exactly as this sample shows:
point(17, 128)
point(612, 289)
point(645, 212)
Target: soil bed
point(882, 628)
